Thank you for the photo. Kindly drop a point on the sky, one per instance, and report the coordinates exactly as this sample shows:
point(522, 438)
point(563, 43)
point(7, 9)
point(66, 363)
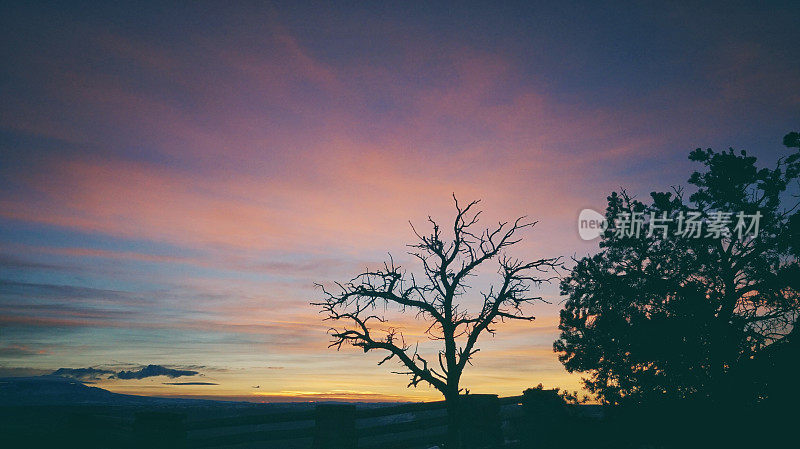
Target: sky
point(174, 179)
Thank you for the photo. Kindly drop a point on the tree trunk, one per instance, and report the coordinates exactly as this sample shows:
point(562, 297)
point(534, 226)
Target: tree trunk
point(453, 421)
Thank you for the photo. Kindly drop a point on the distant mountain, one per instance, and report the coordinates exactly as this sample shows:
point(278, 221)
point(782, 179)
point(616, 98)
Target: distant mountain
point(56, 390)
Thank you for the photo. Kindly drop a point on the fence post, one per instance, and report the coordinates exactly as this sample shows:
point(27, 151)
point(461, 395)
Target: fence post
point(160, 430)
point(544, 412)
point(480, 421)
point(335, 426)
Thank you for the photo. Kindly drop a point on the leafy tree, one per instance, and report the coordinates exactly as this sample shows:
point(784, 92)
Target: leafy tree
point(679, 316)
point(436, 298)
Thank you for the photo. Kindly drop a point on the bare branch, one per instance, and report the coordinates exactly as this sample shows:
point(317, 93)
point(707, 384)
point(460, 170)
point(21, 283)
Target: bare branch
point(446, 265)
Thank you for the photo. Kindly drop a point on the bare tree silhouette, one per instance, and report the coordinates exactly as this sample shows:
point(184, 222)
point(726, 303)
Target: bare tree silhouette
point(361, 304)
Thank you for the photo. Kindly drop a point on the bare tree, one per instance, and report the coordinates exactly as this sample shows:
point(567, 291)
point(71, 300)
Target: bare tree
point(360, 305)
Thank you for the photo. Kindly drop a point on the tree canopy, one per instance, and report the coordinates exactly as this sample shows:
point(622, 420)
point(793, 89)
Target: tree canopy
point(685, 307)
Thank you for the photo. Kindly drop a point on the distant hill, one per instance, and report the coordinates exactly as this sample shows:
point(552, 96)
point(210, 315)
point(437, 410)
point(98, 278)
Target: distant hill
point(56, 390)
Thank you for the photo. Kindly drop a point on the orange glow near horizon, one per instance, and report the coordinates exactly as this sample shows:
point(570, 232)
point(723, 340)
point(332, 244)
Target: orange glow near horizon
point(174, 180)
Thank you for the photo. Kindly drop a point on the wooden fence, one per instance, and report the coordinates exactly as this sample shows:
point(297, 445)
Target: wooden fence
point(487, 422)
point(349, 427)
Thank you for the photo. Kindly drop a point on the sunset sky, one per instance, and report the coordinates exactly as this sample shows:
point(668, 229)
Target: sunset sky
point(175, 179)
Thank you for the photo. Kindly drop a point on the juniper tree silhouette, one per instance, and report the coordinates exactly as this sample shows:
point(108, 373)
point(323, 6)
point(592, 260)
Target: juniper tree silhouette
point(654, 319)
point(447, 264)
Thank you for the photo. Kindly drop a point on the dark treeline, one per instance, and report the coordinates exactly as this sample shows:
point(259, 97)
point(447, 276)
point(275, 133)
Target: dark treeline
point(691, 335)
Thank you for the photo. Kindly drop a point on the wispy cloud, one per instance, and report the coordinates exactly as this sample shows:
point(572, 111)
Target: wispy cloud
point(153, 371)
point(16, 350)
point(186, 192)
point(83, 373)
point(143, 372)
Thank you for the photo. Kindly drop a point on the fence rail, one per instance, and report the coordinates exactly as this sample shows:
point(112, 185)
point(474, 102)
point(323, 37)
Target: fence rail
point(250, 420)
point(252, 436)
point(328, 421)
point(486, 421)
